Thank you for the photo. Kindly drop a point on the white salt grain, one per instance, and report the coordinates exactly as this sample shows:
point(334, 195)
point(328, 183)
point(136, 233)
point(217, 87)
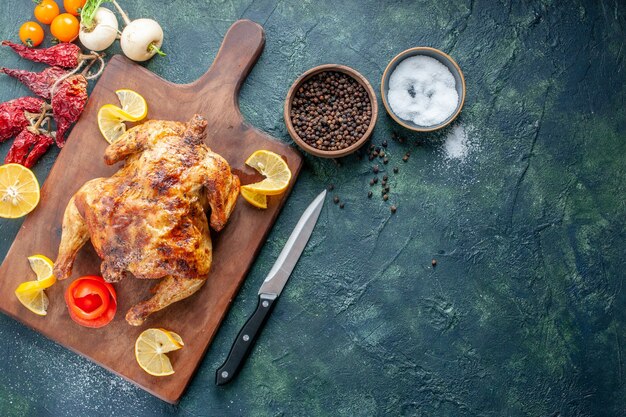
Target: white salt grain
point(456, 143)
point(422, 90)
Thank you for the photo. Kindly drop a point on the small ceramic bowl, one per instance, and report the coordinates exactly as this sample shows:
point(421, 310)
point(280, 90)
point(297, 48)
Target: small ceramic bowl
point(334, 68)
point(440, 56)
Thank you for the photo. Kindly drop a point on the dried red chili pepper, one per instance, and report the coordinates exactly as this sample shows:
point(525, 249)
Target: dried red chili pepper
point(68, 101)
point(39, 82)
point(28, 147)
point(12, 117)
point(40, 148)
point(66, 55)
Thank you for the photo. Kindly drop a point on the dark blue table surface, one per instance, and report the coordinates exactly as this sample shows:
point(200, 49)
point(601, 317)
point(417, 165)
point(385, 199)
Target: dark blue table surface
point(521, 202)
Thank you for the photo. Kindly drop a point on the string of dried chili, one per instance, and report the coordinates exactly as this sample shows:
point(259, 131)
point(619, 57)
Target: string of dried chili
point(12, 116)
point(66, 55)
point(68, 102)
point(28, 147)
point(39, 82)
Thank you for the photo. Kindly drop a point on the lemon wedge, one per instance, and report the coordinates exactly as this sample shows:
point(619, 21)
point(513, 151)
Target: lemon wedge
point(133, 105)
point(19, 191)
point(151, 348)
point(256, 199)
point(31, 293)
point(274, 168)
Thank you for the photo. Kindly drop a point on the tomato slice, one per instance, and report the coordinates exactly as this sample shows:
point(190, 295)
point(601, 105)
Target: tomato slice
point(92, 302)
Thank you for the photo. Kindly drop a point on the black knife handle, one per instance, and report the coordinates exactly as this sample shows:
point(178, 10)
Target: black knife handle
point(245, 340)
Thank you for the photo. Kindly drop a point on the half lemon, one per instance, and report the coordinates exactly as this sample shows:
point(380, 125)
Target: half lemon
point(19, 191)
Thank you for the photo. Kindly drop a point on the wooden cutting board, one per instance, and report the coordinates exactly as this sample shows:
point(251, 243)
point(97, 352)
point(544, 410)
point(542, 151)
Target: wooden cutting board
point(196, 319)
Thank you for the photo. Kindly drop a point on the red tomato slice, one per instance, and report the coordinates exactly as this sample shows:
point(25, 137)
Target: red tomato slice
point(91, 301)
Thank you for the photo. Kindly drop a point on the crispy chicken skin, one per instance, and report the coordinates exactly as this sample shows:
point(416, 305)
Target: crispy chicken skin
point(149, 218)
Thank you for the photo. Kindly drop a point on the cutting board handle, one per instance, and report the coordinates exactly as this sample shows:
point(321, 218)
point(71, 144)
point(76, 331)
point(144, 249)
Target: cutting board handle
point(241, 47)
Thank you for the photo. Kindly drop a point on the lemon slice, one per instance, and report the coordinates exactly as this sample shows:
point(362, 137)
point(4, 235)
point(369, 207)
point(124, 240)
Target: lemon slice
point(41, 265)
point(174, 337)
point(31, 293)
point(256, 199)
point(274, 168)
point(19, 191)
point(151, 348)
point(35, 301)
point(133, 104)
point(111, 122)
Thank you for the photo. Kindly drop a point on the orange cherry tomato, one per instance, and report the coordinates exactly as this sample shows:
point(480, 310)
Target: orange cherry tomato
point(31, 34)
point(74, 6)
point(46, 11)
point(65, 27)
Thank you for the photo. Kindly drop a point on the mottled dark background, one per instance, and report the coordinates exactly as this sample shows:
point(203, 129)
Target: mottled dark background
point(524, 315)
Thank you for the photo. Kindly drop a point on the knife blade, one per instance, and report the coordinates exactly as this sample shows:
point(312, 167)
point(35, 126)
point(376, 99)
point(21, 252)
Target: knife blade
point(270, 290)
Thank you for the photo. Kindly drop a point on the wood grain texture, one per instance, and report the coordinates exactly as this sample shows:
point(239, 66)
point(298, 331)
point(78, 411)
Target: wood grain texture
point(196, 319)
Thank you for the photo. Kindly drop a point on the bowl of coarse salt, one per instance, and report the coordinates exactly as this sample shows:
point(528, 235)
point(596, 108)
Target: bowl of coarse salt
point(423, 89)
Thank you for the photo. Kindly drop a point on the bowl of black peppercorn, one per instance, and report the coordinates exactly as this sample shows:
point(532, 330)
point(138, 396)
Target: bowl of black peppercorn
point(331, 111)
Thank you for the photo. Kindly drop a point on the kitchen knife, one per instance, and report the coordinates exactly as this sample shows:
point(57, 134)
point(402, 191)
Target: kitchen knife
point(270, 290)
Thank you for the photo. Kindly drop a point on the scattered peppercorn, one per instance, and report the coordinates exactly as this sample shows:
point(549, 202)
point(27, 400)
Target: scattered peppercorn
point(375, 169)
point(331, 187)
point(395, 170)
point(393, 209)
point(433, 263)
point(371, 157)
point(372, 182)
point(375, 180)
point(336, 199)
point(375, 154)
point(385, 177)
point(385, 161)
point(385, 197)
point(382, 154)
point(384, 183)
point(384, 143)
point(405, 158)
point(369, 194)
point(331, 111)
point(342, 205)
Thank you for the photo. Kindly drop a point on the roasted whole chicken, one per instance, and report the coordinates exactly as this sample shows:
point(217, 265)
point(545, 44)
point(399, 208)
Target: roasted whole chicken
point(149, 219)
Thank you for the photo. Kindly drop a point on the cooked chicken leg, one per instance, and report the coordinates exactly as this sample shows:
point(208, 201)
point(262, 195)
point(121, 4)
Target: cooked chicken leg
point(149, 218)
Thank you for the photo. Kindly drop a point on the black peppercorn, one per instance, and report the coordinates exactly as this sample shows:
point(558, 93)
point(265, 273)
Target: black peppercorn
point(393, 209)
point(331, 111)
